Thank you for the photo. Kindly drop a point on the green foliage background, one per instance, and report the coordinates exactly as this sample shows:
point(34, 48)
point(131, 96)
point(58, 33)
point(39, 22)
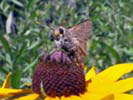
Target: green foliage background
point(25, 24)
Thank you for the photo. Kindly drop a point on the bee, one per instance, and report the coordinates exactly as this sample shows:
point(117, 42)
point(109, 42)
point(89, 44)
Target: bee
point(73, 40)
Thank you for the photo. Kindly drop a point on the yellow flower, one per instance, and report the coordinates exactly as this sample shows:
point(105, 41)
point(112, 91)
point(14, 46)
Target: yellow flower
point(107, 85)
point(6, 92)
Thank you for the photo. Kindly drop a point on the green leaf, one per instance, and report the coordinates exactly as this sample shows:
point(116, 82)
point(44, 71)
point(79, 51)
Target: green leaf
point(35, 44)
point(5, 44)
point(30, 4)
point(18, 3)
point(113, 52)
point(16, 77)
point(30, 65)
point(130, 37)
point(9, 23)
point(20, 54)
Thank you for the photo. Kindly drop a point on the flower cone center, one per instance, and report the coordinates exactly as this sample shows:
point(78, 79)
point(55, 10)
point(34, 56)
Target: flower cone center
point(59, 79)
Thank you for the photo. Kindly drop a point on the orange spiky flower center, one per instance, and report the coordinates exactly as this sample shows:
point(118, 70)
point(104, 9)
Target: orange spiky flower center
point(58, 76)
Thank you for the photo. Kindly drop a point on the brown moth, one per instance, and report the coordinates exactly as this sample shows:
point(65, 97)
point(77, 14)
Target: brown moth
point(73, 40)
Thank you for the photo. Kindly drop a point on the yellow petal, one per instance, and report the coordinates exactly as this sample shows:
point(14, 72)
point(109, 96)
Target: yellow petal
point(123, 96)
point(6, 83)
point(91, 74)
point(99, 89)
point(5, 92)
point(109, 97)
point(122, 86)
point(92, 96)
point(116, 87)
point(113, 73)
point(50, 98)
point(71, 98)
point(29, 97)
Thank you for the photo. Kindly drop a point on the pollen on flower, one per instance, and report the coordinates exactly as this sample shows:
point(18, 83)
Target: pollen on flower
point(58, 76)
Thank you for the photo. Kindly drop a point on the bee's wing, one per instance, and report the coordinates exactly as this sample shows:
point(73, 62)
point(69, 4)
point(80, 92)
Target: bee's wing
point(81, 33)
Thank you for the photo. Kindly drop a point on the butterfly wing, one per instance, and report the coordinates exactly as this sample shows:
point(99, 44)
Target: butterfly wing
point(80, 34)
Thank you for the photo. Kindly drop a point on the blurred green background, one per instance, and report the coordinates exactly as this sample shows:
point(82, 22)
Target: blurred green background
point(25, 24)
